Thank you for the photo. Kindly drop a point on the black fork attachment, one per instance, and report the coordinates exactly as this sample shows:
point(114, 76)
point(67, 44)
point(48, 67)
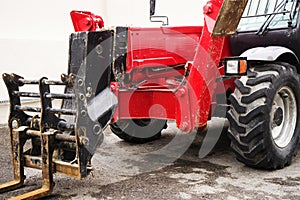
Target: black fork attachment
point(62, 139)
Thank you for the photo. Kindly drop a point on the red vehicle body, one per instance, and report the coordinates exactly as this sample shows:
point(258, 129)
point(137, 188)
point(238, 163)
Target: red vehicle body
point(171, 72)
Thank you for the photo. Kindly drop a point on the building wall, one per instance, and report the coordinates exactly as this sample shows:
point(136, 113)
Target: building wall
point(34, 33)
point(136, 12)
point(34, 36)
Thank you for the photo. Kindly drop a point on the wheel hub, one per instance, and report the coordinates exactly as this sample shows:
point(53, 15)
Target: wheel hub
point(283, 117)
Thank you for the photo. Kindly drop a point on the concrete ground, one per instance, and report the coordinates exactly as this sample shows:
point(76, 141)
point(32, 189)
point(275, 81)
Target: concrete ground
point(127, 171)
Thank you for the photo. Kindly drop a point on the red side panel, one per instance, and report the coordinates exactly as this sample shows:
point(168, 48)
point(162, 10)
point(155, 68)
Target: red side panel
point(163, 46)
point(154, 89)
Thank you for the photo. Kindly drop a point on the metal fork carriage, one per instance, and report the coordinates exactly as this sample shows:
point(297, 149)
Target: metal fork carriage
point(57, 145)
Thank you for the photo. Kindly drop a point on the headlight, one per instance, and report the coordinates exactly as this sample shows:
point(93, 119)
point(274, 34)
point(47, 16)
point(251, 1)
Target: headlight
point(235, 66)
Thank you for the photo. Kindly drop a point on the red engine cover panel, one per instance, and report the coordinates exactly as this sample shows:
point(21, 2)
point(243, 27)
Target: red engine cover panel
point(163, 46)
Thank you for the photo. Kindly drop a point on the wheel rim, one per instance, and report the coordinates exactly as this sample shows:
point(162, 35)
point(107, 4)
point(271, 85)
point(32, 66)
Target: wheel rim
point(283, 117)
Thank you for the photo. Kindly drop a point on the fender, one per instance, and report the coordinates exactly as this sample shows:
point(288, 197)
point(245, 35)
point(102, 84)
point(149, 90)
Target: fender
point(271, 53)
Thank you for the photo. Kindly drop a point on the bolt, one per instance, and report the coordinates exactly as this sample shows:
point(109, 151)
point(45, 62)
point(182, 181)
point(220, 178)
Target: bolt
point(80, 82)
point(97, 129)
point(82, 97)
point(84, 141)
point(83, 113)
point(89, 92)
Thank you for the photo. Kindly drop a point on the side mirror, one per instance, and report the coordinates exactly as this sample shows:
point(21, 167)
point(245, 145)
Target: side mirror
point(152, 7)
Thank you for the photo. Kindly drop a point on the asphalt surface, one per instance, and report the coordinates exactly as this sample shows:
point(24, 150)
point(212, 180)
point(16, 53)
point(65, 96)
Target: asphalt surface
point(127, 171)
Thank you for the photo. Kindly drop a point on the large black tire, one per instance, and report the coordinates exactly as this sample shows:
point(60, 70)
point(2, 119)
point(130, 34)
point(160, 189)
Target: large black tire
point(264, 116)
point(139, 130)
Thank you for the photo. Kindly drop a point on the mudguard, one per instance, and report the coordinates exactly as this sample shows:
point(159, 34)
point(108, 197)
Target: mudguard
point(270, 53)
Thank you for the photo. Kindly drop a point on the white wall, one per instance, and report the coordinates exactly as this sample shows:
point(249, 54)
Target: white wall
point(136, 12)
point(34, 36)
point(34, 33)
point(41, 19)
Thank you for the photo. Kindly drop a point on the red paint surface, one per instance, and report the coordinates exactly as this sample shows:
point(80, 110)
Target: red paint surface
point(157, 84)
point(86, 21)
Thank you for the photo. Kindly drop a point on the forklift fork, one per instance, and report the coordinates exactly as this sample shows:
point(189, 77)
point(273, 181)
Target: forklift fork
point(18, 138)
point(17, 143)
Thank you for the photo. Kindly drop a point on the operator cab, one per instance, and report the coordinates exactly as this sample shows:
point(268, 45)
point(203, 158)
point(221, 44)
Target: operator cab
point(268, 23)
point(261, 16)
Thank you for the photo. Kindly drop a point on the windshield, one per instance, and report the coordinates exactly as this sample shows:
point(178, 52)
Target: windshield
point(260, 15)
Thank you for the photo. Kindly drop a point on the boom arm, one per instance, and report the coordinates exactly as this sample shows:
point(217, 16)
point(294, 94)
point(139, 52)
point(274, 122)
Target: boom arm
point(229, 17)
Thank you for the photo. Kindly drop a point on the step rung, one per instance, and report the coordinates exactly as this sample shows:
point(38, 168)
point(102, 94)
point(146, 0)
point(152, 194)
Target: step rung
point(28, 82)
point(36, 82)
point(59, 137)
point(59, 96)
point(61, 111)
point(28, 108)
point(50, 82)
point(64, 137)
point(27, 94)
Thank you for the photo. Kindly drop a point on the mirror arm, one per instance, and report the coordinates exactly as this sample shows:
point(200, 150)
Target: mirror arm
point(163, 19)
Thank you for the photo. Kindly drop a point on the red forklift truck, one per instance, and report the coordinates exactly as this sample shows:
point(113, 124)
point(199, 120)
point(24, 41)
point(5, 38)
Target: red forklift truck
point(242, 64)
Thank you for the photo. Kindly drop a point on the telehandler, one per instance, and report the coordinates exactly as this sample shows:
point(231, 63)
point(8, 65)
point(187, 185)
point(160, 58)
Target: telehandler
point(242, 64)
